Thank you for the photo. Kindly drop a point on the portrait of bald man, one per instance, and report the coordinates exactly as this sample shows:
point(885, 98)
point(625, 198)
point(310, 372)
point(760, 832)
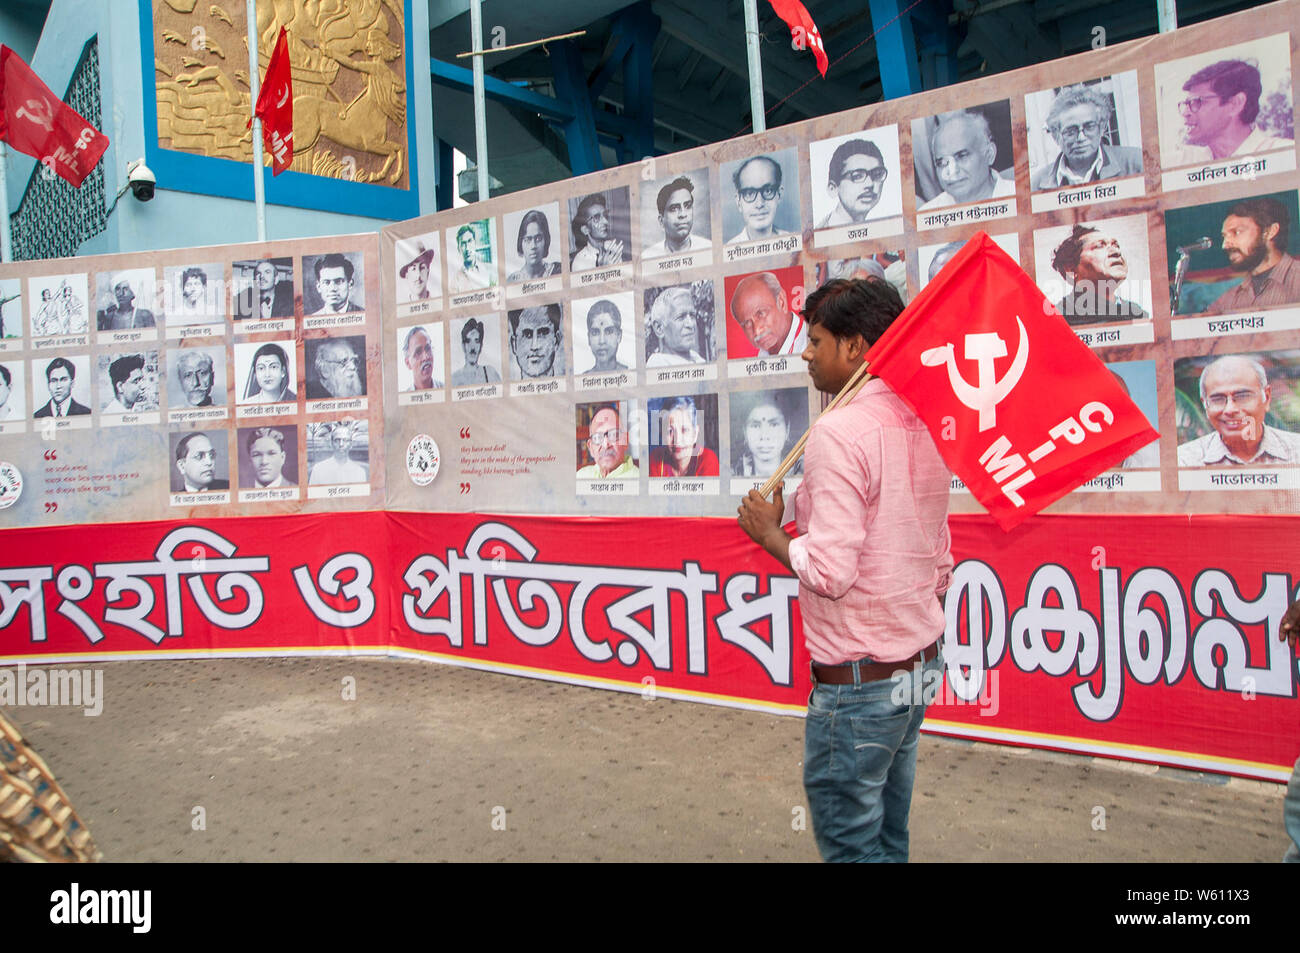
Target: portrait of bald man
point(421, 355)
point(759, 308)
point(956, 157)
point(1237, 398)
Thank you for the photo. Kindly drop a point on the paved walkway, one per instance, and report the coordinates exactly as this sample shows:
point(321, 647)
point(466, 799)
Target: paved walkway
point(433, 762)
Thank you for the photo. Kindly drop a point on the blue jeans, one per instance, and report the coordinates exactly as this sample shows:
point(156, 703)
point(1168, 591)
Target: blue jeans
point(860, 761)
point(1291, 815)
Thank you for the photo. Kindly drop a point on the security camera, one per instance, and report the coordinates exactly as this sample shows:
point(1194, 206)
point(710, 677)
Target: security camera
point(141, 180)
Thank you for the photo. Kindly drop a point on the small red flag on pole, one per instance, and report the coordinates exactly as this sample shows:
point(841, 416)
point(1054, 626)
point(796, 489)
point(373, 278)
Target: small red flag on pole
point(803, 31)
point(1020, 409)
point(35, 121)
point(275, 106)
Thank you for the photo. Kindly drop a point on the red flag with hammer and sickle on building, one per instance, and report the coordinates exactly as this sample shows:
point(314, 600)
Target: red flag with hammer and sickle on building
point(803, 31)
point(35, 121)
point(1019, 408)
point(275, 106)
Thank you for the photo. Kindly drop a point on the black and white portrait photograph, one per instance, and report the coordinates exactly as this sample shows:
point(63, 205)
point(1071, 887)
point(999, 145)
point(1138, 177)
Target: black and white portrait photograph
point(476, 350)
point(196, 377)
point(533, 244)
point(855, 178)
point(265, 373)
point(1235, 101)
point(57, 305)
point(11, 308)
point(890, 266)
point(262, 288)
point(124, 300)
point(963, 156)
point(335, 367)
point(1087, 132)
point(760, 196)
point(536, 341)
point(680, 324)
point(472, 256)
point(194, 294)
point(13, 394)
point(338, 452)
point(765, 425)
point(604, 334)
point(268, 457)
point(200, 461)
point(128, 382)
point(333, 284)
point(1096, 272)
point(419, 272)
point(675, 218)
point(61, 386)
point(600, 229)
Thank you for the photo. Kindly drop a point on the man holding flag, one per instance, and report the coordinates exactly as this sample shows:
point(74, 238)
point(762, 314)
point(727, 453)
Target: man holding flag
point(873, 562)
point(1042, 416)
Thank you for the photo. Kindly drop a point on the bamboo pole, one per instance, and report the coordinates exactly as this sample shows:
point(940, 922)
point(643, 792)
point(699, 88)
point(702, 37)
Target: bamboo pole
point(847, 392)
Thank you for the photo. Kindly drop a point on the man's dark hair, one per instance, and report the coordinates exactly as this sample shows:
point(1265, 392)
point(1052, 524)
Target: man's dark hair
point(1228, 78)
point(4, 372)
point(462, 230)
point(259, 433)
point(198, 273)
point(121, 369)
point(530, 217)
point(1066, 257)
point(62, 362)
point(847, 150)
point(334, 261)
point(183, 445)
point(584, 209)
point(472, 326)
point(849, 306)
point(776, 167)
point(676, 185)
point(1266, 212)
point(553, 314)
point(605, 306)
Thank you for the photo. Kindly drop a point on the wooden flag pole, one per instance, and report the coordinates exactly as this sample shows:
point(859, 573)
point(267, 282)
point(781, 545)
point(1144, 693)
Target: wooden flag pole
point(847, 392)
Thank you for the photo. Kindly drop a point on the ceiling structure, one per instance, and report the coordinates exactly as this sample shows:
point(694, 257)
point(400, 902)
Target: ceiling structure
point(667, 75)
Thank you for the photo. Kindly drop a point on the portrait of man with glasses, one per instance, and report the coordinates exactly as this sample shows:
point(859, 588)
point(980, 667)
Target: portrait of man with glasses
point(603, 436)
point(861, 175)
point(339, 366)
point(1233, 102)
point(759, 186)
point(1078, 123)
point(1236, 395)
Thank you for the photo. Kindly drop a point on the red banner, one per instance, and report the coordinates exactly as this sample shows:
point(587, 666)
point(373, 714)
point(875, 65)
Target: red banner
point(1053, 419)
point(1142, 642)
point(35, 121)
point(275, 106)
point(803, 31)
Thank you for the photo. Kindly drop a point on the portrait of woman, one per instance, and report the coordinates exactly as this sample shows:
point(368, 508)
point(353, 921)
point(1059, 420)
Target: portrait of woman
point(764, 426)
point(534, 248)
point(268, 377)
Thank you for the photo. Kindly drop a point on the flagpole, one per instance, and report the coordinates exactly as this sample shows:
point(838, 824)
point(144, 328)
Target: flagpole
point(6, 239)
point(755, 67)
point(254, 86)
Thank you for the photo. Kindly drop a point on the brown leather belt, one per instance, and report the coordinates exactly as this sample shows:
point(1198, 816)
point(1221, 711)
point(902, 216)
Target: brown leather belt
point(869, 671)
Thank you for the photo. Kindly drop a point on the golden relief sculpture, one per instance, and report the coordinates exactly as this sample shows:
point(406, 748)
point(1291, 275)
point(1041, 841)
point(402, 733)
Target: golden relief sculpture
point(349, 82)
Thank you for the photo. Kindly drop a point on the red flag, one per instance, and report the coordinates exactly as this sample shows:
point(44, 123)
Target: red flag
point(1041, 415)
point(803, 32)
point(35, 121)
point(275, 106)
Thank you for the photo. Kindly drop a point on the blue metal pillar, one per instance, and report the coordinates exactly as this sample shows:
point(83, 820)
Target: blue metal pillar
point(641, 27)
point(444, 177)
point(895, 49)
point(571, 91)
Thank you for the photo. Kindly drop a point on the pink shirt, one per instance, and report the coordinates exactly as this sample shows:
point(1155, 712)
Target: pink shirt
point(873, 551)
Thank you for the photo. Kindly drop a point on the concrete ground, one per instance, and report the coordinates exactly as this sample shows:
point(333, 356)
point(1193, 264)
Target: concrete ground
point(264, 759)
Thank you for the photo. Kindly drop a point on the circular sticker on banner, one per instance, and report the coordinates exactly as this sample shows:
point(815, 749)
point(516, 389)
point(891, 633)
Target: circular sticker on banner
point(11, 485)
point(422, 459)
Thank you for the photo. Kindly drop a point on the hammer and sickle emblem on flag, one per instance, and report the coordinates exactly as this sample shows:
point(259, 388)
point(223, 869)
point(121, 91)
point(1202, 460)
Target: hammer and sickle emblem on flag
point(988, 391)
point(284, 97)
point(39, 112)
